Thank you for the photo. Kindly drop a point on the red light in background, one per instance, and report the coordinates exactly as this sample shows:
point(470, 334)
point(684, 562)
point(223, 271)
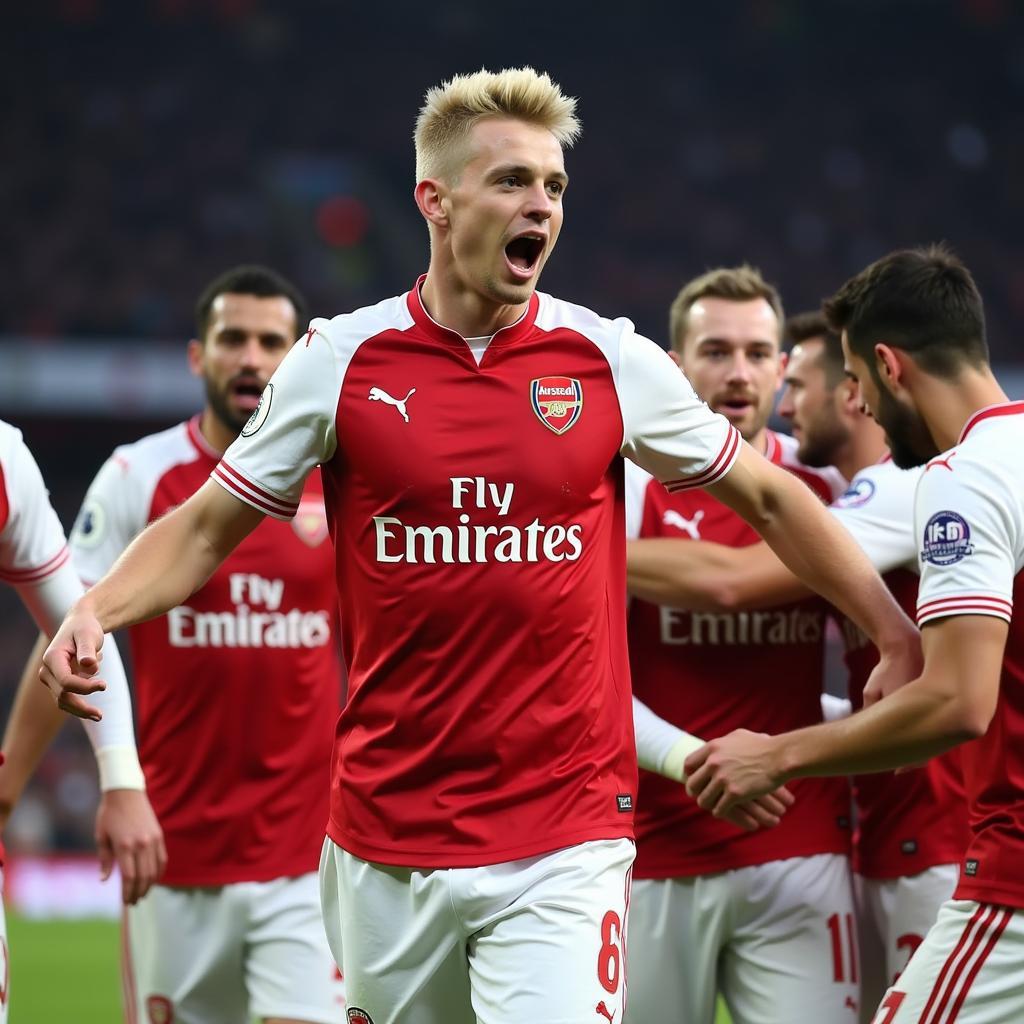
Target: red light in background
point(342, 221)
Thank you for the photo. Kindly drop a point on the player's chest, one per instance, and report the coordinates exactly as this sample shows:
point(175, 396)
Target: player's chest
point(544, 419)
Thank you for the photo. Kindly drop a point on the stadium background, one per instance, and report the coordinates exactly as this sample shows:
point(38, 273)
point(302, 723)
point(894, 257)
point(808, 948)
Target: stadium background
point(148, 145)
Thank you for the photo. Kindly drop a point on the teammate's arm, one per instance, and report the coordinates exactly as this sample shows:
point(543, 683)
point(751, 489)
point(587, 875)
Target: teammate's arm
point(706, 576)
point(166, 563)
point(952, 701)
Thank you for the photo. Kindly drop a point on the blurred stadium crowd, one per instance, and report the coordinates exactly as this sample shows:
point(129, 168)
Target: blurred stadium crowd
point(149, 145)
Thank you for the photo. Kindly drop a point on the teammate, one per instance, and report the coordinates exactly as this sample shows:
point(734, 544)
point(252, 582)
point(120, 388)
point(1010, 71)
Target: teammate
point(715, 909)
point(34, 559)
point(914, 338)
point(470, 434)
point(238, 691)
point(911, 827)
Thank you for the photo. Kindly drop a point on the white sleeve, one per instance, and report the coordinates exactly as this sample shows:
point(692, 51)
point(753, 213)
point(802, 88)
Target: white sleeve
point(967, 539)
point(878, 509)
point(113, 513)
point(667, 429)
point(661, 747)
point(291, 431)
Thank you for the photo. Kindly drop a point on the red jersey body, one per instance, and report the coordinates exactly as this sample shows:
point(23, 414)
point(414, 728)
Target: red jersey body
point(477, 514)
point(907, 821)
point(710, 673)
point(969, 521)
point(237, 690)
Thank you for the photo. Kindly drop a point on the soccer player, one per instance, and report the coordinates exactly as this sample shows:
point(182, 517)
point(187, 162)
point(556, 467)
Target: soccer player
point(714, 909)
point(470, 434)
point(911, 827)
point(914, 338)
point(34, 559)
point(238, 690)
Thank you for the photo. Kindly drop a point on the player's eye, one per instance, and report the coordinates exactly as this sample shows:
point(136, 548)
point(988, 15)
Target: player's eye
point(511, 180)
point(556, 188)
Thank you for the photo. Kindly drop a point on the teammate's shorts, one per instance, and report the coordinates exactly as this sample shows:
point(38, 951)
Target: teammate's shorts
point(5, 959)
point(893, 917)
point(967, 970)
point(539, 940)
point(777, 940)
point(227, 953)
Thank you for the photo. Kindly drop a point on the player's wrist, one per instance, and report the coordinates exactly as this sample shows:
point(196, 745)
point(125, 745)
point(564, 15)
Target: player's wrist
point(674, 764)
point(119, 768)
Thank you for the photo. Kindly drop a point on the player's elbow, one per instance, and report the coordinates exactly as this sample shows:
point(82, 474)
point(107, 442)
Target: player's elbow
point(969, 717)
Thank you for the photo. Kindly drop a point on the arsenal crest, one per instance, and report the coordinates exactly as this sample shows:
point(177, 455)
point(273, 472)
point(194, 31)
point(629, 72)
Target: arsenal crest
point(557, 401)
point(159, 1010)
point(310, 522)
point(357, 1016)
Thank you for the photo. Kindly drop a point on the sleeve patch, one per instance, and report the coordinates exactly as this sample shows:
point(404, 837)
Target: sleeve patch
point(947, 539)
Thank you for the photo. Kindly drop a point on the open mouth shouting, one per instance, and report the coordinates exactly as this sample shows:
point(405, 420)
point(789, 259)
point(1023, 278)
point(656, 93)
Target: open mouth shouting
point(245, 392)
point(523, 254)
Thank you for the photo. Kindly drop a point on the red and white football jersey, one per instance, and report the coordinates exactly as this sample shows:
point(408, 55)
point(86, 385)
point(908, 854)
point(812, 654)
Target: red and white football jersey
point(237, 691)
point(910, 821)
point(969, 517)
point(710, 673)
point(477, 514)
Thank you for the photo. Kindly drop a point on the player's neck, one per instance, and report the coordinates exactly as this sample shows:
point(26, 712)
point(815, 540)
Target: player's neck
point(216, 435)
point(947, 405)
point(865, 447)
point(758, 441)
point(464, 310)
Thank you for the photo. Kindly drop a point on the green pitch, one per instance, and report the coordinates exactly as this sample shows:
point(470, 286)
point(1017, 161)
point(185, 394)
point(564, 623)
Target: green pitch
point(69, 971)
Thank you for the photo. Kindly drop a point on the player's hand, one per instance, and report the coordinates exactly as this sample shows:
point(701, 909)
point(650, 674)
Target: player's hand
point(128, 833)
point(896, 667)
point(729, 773)
point(71, 662)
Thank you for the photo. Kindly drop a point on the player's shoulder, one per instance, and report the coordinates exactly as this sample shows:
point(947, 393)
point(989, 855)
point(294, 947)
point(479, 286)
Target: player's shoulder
point(346, 330)
point(826, 481)
point(11, 441)
point(881, 481)
point(553, 313)
point(156, 454)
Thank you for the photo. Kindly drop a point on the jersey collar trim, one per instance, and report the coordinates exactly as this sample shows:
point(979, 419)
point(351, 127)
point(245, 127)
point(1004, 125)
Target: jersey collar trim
point(772, 447)
point(195, 435)
point(1002, 409)
point(513, 332)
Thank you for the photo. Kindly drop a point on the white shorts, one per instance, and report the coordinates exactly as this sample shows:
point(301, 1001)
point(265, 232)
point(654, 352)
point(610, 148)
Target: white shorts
point(539, 940)
point(967, 970)
point(5, 959)
point(776, 940)
point(227, 953)
point(893, 917)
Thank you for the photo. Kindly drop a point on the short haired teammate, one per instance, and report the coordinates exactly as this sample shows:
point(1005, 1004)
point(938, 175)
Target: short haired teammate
point(470, 434)
point(34, 560)
point(716, 910)
point(911, 827)
point(914, 337)
point(238, 690)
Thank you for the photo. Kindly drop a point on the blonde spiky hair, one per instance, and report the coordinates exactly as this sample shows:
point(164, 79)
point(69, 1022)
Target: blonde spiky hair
point(451, 109)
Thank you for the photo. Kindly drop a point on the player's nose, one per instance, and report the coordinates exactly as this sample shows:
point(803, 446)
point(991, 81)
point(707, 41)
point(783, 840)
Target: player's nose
point(539, 206)
point(786, 409)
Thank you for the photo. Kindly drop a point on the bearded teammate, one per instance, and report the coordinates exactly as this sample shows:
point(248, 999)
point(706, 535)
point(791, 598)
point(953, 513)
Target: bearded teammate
point(470, 433)
point(911, 827)
point(715, 909)
point(238, 690)
point(34, 559)
point(914, 337)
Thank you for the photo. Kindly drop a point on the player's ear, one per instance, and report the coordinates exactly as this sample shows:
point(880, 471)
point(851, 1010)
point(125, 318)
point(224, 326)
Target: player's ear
point(889, 365)
point(431, 196)
point(195, 354)
point(676, 358)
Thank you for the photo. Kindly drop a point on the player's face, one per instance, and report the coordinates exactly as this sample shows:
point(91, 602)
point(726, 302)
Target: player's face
point(731, 356)
point(810, 406)
point(505, 211)
point(906, 433)
point(247, 338)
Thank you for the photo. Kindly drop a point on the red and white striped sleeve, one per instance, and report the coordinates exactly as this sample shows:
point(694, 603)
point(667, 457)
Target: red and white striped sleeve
point(964, 526)
point(291, 431)
point(32, 544)
point(668, 430)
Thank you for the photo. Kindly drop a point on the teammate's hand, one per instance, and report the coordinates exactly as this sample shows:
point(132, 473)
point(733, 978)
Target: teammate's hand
point(127, 832)
point(71, 662)
point(729, 773)
point(896, 667)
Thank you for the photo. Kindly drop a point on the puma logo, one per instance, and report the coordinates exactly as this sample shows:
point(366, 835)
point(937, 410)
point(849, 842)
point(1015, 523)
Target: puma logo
point(851, 1003)
point(942, 462)
point(603, 1010)
point(380, 395)
point(690, 526)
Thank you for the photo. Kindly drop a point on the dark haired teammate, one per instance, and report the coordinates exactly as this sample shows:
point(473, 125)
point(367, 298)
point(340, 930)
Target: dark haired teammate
point(237, 691)
point(914, 337)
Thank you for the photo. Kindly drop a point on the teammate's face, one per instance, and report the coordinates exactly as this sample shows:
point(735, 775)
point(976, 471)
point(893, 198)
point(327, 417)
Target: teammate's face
point(810, 405)
point(246, 339)
point(505, 211)
point(906, 433)
point(731, 356)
